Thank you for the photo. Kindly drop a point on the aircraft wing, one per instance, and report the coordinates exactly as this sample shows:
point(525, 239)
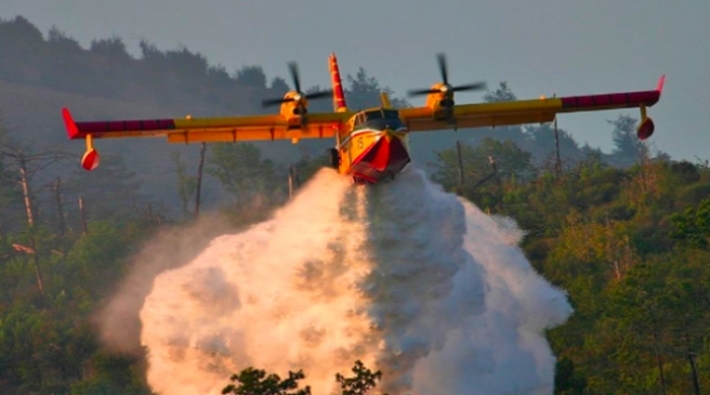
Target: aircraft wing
point(525, 111)
point(192, 130)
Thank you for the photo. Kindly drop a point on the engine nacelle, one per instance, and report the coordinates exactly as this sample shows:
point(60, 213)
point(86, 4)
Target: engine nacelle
point(645, 128)
point(294, 107)
point(437, 95)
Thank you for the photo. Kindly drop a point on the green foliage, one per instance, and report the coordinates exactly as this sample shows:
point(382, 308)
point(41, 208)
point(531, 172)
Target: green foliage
point(255, 185)
point(251, 76)
point(487, 164)
point(47, 341)
point(567, 380)
point(110, 192)
point(361, 383)
point(252, 381)
point(243, 173)
point(187, 184)
point(364, 92)
point(628, 149)
point(308, 166)
point(112, 48)
point(111, 375)
point(634, 266)
point(502, 94)
point(693, 225)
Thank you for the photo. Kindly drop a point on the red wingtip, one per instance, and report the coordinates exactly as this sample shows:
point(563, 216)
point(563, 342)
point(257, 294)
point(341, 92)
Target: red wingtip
point(661, 81)
point(72, 129)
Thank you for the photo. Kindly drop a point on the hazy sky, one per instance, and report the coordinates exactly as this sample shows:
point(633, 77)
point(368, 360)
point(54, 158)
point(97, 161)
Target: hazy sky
point(540, 47)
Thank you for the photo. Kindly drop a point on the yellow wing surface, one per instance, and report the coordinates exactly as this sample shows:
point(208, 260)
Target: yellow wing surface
point(433, 117)
point(228, 129)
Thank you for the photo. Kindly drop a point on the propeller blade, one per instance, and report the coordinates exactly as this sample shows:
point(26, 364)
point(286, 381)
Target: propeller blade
point(442, 68)
point(293, 69)
point(319, 95)
point(299, 96)
point(419, 92)
point(470, 87)
point(273, 102)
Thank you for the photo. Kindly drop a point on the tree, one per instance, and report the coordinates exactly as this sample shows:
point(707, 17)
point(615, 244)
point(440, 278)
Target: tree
point(112, 48)
point(252, 381)
point(252, 76)
point(187, 185)
point(111, 191)
point(279, 85)
point(540, 142)
point(360, 384)
point(189, 64)
point(628, 149)
point(241, 170)
point(492, 157)
point(693, 226)
point(567, 380)
point(27, 165)
point(10, 193)
point(21, 50)
point(503, 93)
point(364, 91)
point(69, 67)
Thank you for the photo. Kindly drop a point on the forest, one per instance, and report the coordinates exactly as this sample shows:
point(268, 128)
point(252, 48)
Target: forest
point(626, 233)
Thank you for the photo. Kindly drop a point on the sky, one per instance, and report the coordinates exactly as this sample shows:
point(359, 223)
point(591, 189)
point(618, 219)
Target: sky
point(541, 47)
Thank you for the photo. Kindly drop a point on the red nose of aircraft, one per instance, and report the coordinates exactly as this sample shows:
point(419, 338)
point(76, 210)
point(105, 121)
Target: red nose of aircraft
point(384, 158)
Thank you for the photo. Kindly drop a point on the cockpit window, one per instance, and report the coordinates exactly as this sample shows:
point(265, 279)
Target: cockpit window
point(377, 114)
point(378, 118)
point(391, 114)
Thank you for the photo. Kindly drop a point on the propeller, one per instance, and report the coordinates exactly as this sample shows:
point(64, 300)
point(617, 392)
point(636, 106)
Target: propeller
point(447, 89)
point(300, 98)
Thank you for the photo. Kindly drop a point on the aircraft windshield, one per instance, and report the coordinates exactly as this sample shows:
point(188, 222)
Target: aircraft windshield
point(382, 113)
point(378, 118)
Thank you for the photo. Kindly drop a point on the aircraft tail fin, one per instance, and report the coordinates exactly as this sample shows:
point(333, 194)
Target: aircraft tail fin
point(385, 99)
point(338, 95)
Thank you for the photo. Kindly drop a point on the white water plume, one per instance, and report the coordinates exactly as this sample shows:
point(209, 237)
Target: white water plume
point(402, 276)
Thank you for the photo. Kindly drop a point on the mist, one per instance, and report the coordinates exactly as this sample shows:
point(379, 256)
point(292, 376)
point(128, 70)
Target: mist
point(406, 278)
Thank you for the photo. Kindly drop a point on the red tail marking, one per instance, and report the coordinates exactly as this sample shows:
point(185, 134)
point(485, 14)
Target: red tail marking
point(338, 95)
point(661, 81)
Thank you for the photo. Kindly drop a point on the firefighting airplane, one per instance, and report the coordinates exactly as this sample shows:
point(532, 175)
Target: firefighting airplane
point(370, 145)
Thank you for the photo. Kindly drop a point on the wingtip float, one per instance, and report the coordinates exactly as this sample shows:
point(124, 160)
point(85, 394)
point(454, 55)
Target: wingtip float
point(370, 145)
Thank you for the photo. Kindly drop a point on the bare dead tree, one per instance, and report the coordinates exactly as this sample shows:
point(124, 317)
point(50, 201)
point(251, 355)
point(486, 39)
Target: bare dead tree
point(460, 166)
point(200, 171)
point(27, 164)
point(558, 161)
point(293, 181)
point(82, 215)
point(60, 206)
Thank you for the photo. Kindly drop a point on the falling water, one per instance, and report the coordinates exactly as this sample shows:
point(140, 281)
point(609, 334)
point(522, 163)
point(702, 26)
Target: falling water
point(406, 278)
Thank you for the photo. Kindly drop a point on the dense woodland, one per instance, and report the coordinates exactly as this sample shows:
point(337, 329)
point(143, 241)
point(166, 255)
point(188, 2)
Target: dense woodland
point(627, 233)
